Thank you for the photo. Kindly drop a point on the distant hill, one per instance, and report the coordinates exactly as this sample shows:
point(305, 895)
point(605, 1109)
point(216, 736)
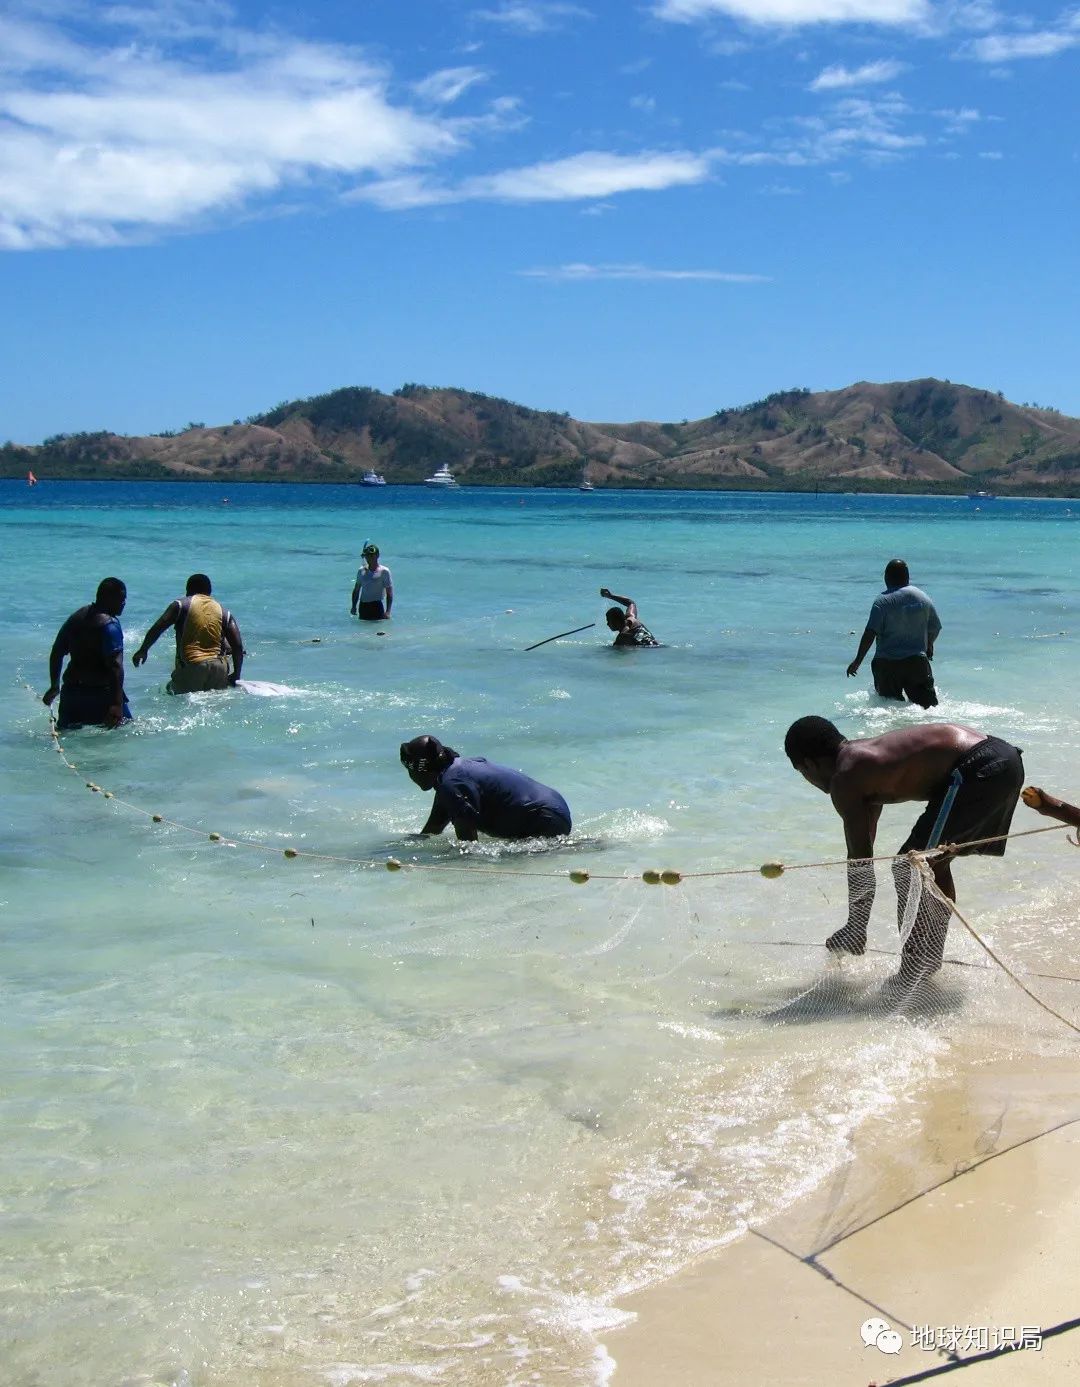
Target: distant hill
point(922, 434)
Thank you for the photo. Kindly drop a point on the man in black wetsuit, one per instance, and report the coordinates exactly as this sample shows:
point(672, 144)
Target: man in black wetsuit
point(92, 639)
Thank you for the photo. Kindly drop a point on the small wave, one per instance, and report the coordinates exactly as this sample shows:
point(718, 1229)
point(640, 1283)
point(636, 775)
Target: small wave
point(631, 825)
point(344, 1374)
point(262, 688)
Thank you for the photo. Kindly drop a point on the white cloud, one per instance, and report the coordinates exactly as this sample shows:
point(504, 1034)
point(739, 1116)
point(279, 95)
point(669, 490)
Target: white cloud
point(444, 87)
point(991, 154)
point(579, 272)
point(102, 143)
point(853, 127)
point(959, 122)
point(167, 19)
point(965, 115)
point(1004, 48)
point(797, 12)
point(593, 174)
point(838, 77)
point(531, 18)
point(973, 15)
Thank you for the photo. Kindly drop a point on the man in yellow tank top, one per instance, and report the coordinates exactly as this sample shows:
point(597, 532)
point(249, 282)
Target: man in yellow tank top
point(206, 636)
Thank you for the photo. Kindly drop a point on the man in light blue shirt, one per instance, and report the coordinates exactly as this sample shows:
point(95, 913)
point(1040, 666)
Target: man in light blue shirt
point(905, 625)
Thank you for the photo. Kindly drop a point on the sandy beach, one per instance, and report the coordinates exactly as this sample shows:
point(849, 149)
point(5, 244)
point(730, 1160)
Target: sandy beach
point(988, 1251)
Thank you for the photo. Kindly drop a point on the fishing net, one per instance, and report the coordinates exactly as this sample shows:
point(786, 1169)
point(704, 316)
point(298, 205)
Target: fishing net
point(691, 1057)
point(985, 1019)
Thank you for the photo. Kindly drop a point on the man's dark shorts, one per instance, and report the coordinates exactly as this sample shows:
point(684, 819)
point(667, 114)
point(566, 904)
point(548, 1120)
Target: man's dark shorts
point(991, 778)
point(911, 678)
point(85, 705)
point(371, 611)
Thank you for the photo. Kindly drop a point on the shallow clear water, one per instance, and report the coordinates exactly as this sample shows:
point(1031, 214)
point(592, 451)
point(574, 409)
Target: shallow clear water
point(284, 1122)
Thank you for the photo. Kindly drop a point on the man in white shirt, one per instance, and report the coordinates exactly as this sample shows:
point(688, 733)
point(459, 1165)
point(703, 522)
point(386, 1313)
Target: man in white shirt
point(373, 585)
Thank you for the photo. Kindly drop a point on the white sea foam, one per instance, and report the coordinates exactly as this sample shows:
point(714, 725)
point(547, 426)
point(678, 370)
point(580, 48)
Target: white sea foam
point(573, 1083)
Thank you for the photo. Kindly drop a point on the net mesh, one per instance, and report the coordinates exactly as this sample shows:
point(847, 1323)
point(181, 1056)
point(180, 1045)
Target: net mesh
point(805, 1092)
point(993, 1033)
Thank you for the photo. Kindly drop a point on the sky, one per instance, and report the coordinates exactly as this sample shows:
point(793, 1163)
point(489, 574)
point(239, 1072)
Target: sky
point(625, 211)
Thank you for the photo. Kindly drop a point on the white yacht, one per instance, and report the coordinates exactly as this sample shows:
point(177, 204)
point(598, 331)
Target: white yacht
point(372, 479)
point(442, 476)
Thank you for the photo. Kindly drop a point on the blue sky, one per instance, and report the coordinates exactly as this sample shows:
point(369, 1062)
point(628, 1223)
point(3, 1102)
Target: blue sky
point(626, 211)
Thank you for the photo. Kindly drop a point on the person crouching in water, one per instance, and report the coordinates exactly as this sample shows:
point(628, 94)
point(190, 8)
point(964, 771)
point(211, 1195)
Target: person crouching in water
point(478, 796)
point(203, 631)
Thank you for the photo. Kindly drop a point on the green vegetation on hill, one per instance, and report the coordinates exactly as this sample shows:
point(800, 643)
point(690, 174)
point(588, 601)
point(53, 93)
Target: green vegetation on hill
point(925, 435)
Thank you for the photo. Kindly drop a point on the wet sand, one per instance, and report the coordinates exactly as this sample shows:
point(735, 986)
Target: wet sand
point(991, 1247)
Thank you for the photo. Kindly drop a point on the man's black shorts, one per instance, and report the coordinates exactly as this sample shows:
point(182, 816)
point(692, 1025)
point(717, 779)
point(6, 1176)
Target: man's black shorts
point(991, 776)
point(911, 678)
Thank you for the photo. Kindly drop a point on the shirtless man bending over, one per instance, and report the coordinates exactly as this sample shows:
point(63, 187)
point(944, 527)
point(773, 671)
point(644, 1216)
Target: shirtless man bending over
point(970, 783)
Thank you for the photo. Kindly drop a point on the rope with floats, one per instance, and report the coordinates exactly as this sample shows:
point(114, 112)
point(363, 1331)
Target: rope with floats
point(579, 876)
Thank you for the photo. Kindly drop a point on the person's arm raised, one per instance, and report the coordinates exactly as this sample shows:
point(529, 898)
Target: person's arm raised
point(627, 602)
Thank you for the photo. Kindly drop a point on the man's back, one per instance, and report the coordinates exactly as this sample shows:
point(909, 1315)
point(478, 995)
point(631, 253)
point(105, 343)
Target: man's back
point(495, 799)
point(200, 629)
point(908, 764)
point(904, 621)
point(91, 639)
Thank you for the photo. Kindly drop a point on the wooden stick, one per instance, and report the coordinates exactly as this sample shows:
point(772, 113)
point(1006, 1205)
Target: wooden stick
point(561, 634)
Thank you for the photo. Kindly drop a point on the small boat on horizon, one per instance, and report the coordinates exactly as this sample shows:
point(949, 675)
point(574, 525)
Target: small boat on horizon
point(31, 480)
point(442, 476)
point(372, 479)
point(981, 496)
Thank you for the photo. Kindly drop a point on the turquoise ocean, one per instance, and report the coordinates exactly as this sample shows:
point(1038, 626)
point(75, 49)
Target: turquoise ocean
point(279, 1122)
